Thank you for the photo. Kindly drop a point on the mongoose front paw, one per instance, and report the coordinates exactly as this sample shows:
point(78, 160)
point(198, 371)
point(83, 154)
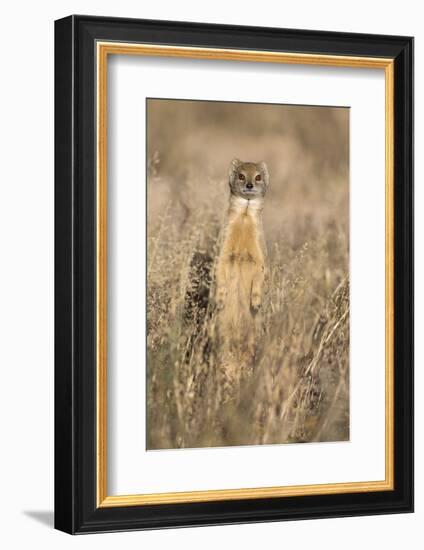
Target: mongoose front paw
point(220, 299)
point(255, 303)
point(219, 305)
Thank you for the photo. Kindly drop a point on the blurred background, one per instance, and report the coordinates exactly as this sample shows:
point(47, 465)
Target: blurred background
point(191, 144)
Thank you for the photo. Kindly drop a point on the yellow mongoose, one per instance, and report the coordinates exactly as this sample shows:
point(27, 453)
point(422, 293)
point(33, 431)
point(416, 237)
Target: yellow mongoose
point(241, 265)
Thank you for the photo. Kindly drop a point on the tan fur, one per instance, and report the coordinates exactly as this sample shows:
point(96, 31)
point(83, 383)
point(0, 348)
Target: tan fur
point(241, 267)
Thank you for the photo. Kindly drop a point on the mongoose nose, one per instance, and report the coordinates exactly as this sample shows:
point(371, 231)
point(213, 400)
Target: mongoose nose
point(249, 185)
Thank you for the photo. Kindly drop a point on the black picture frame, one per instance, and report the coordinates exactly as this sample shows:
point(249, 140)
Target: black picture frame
point(76, 510)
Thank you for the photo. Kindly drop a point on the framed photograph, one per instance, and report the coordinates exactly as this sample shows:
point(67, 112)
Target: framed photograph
point(234, 274)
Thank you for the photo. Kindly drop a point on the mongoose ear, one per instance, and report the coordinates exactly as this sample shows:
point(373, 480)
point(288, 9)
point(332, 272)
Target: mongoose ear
point(264, 169)
point(234, 164)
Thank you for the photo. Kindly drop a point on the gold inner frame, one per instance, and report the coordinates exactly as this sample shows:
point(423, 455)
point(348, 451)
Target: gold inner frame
point(104, 49)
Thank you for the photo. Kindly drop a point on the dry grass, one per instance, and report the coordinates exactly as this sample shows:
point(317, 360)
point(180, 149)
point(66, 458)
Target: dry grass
point(299, 388)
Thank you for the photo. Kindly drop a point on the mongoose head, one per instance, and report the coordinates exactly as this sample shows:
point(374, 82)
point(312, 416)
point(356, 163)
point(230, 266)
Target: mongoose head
point(248, 179)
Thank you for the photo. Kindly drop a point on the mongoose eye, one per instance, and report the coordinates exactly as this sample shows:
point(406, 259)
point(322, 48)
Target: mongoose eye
point(258, 177)
point(241, 177)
